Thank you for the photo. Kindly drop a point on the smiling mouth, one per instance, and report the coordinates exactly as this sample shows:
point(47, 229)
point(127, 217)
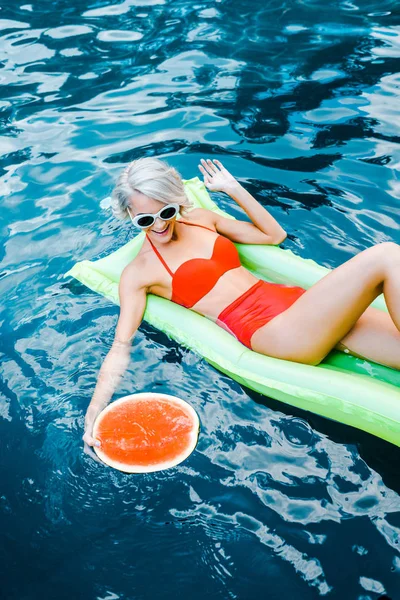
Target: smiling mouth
point(162, 231)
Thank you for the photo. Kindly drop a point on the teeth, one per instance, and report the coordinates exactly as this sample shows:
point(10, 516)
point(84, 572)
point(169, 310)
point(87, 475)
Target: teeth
point(163, 231)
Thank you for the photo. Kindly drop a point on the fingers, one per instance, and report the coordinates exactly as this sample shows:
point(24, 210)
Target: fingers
point(221, 166)
point(205, 174)
point(90, 440)
point(213, 166)
point(87, 450)
point(214, 173)
point(209, 165)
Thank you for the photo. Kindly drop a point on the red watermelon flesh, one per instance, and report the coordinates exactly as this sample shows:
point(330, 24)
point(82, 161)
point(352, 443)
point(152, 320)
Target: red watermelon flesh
point(145, 432)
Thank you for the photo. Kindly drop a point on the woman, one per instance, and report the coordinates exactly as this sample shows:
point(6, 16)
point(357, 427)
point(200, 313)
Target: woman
point(194, 262)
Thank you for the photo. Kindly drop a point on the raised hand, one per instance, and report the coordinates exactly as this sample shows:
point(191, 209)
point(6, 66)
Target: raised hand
point(216, 177)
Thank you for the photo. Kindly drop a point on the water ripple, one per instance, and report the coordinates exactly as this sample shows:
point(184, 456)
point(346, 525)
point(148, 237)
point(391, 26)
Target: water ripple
point(301, 104)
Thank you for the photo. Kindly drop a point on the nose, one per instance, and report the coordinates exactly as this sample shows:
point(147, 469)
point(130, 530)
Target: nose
point(159, 224)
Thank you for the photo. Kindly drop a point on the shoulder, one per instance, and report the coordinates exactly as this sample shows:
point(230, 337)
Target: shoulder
point(135, 276)
point(202, 216)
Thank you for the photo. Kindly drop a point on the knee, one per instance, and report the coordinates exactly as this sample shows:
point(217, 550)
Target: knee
point(384, 256)
point(389, 250)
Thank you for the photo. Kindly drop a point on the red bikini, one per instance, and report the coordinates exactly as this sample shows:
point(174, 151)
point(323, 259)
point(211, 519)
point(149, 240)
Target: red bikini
point(196, 277)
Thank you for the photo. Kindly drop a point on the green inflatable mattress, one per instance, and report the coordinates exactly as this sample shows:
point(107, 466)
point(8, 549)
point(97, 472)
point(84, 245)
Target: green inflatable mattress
point(343, 388)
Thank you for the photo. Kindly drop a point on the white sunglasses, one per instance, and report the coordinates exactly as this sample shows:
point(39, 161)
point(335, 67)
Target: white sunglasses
point(146, 220)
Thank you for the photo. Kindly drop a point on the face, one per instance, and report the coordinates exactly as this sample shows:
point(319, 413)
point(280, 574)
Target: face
point(161, 231)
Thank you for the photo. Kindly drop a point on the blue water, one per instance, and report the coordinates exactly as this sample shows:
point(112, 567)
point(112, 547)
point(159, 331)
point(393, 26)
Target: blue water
point(300, 101)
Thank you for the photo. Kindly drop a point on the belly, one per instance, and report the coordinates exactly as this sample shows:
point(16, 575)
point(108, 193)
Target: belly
point(228, 288)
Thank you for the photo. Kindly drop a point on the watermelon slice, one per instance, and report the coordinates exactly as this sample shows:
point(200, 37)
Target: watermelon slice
point(142, 433)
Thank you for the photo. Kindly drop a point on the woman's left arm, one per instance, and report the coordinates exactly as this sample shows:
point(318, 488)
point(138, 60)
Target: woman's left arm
point(263, 229)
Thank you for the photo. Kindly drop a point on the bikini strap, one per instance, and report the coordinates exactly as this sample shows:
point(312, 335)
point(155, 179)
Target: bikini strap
point(158, 253)
point(159, 256)
point(196, 225)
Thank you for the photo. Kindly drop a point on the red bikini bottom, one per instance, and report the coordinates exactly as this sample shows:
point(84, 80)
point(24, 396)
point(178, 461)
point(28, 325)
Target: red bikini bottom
point(253, 309)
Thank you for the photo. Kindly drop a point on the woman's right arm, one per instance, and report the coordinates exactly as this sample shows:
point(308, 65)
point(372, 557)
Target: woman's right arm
point(132, 296)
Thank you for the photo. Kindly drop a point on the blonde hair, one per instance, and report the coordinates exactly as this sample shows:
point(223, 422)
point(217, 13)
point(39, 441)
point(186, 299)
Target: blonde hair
point(152, 177)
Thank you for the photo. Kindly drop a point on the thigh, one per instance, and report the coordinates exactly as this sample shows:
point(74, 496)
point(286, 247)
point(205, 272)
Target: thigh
point(324, 314)
point(374, 337)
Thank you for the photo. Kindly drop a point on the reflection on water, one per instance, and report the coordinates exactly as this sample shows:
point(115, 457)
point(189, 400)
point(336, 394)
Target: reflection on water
point(299, 99)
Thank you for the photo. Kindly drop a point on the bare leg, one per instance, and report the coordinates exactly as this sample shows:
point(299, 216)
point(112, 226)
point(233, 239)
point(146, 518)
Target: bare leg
point(328, 311)
point(374, 337)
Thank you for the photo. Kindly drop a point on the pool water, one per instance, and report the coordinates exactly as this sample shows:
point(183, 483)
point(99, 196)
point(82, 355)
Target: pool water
point(300, 101)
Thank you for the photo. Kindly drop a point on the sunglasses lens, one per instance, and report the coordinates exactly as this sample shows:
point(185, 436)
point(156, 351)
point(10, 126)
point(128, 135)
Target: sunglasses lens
point(168, 212)
point(145, 221)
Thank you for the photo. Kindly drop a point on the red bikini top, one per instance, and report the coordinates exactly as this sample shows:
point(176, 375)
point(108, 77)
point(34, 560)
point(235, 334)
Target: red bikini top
point(197, 276)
